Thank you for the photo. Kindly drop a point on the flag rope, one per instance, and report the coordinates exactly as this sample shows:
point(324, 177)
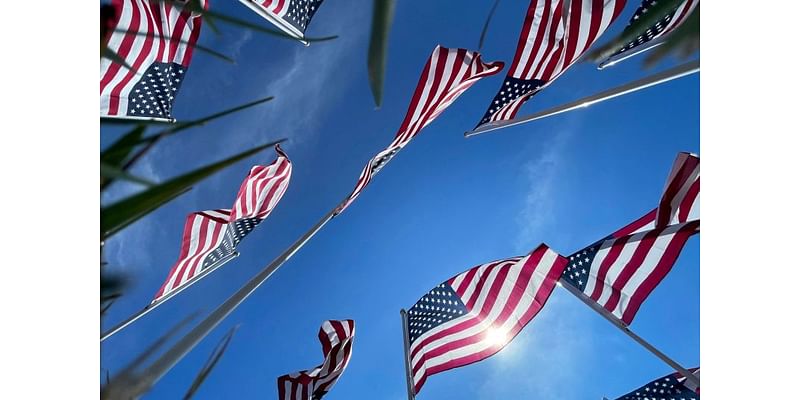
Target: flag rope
point(652, 80)
point(607, 315)
point(152, 306)
point(406, 358)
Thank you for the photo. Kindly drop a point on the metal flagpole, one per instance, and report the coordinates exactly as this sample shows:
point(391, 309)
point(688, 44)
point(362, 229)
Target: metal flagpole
point(611, 63)
point(191, 339)
point(406, 358)
point(110, 118)
point(652, 80)
point(619, 324)
point(152, 306)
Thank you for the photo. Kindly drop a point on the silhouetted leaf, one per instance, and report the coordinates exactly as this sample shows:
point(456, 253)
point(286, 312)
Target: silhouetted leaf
point(193, 45)
point(105, 52)
point(486, 24)
point(151, 140)
point(127, 385)
point(109, 173)
point(211, 363)
point(209, 15)
point(124, 212)
point(382, 15)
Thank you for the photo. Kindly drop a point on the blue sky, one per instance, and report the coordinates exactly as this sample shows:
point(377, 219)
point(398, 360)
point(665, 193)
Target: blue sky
point(445, 204)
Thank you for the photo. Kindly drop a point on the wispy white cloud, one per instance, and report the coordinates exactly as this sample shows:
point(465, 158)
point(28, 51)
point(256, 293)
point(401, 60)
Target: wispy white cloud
point(542, 174)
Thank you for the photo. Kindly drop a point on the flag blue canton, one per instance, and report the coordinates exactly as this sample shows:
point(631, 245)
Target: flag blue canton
point(234, 233)
point(511, 90)
point(666, 388)
point(577, 271)
point(378, 164)
point(437, 307)
point(300, 13)
point(155, 92)
point(651, 32)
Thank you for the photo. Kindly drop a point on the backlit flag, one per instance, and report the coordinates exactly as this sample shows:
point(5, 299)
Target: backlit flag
point(156, 39)
point(666, 24)
point(549, 44)
point(447, 74)
point(622, 269)
point(473, 315)
point(681, 199)
point(290, 16)
point(671, 387)
point(263, 188)
point(209, 237)
point(337, 344)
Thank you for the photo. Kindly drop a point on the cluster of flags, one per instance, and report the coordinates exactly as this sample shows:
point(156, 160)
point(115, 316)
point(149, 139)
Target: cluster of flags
point(475, 314)
point(472, 315)
point(210, 237)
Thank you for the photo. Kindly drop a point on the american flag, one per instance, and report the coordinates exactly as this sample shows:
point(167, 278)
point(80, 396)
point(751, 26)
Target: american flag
point(671, 387)
point(473, 315)
point(549, 44)
point(291, 16)
point(337, 343)
point(622, 269)
point(155, 38)
point(212, 236)
point(665, 25)
point(681, 199)
point(263, 188)
point(447, 74)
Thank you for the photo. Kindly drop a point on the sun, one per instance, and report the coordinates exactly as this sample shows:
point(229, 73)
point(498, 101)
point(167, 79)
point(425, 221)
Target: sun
point(496, 337)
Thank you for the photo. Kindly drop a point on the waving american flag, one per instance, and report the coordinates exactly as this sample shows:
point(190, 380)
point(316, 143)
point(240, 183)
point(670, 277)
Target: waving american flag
point(473, 315)
point(211, 237)
point(671, 387)
point(336, 338)
point(666, 24)
point(621, 270)
point(156, 39)
point(555, 34)
point(447, 74)
point(290, 16)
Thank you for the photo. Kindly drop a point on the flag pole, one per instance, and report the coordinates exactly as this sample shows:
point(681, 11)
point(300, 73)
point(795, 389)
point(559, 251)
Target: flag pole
point(624, 328)
point(406, 358)
point(652, 80)
point(611, 63)
point(191, 339)
point(171, 357)
point(152, 306)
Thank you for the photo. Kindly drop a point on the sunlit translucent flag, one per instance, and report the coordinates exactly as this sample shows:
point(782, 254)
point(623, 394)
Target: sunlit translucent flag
point(553, 38)
point(622, 269)
point(336, 338)
point(473, 315)
point(210, 237)
point(155, 39)
point(447, 74)
point(671, 387)
point(290, 16)
point(666, 24)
